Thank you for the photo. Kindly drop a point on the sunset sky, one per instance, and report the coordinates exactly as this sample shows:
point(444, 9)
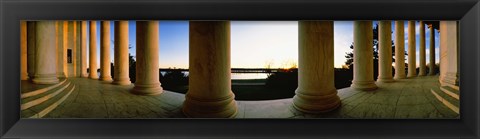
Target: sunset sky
point(255, 43)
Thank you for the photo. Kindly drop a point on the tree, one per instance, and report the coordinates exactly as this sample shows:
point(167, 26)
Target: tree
point(268, 67)
point(132, 68)
point(349, 55)
point(173, 79)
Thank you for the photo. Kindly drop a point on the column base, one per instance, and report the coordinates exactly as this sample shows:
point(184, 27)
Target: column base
point(396, 77)
point(315, 103)
point(108, 79)
point(364, 85)
point(30, 76)
point(122, 81)
point(24, 76)
point(85, 75)
point(450, 78)
point(45, 79)
point(422, 74)
point(61, 75)
point(93, 76)
point(432, 73)
point(147, 89)
point(385, 80)
point(210, 108)
point(411, 76)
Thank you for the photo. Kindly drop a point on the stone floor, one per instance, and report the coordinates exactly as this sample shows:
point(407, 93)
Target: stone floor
point(407, 98)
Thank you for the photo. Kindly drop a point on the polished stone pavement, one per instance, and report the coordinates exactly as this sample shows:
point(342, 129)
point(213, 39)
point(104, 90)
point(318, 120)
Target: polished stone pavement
point(406, 98)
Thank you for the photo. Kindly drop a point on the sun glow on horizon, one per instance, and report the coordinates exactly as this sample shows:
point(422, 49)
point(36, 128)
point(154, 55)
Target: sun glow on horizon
point(262, 44)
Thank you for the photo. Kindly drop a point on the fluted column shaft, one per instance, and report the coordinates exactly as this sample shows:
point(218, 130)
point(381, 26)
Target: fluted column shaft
point(209, 93)
point(61, 55)
point(399, 50)
point(385, 52)
point(93, 50)
point(363, 56)
point(73, 45)
point(316, 90)
point(412, 63)
point(423, 68)
point(84, 49)
point(147, 70)
point(121, 71)
point(78, 49)
point(105, 73)
point(45, 64)
point(449, 53)
point(23, 50)
point(431, 65)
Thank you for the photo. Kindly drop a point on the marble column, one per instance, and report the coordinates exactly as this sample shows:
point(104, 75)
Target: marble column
point(431, 65)
point(60, 49)
point(209, 93)
point(45, 64)
point(448, 50)
point(31, 49)
point(73, 46)
point(423, 68)
point(23, 50)
point(316, 90)
point(78, 49)
point(70, 45)
point(412, 63)
point(147, 70)
point(385, 52)
point(363, 56)
point(64, 49)
point(121, 71)
point(83, 48)
point(105, 74)
point(399, 50)
point(93, 50)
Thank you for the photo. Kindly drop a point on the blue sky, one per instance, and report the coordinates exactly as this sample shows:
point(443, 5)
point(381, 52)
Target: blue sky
point(254, 43)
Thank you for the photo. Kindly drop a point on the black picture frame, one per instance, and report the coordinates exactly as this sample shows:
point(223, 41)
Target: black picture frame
point(12, 11)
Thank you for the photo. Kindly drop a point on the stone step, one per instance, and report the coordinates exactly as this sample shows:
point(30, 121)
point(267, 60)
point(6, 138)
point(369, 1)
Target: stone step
point(44, 108)
point(42, 90)
point(447, 100)
point(40, 98)
point(439, 106)
point(453, 87)
point(450, 91)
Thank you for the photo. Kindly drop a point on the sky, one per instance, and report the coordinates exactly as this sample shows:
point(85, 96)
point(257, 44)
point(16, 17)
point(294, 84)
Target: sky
point(254, 44)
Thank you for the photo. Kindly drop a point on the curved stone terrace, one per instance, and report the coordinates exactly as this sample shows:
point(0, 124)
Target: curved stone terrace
point(406, 98)
point(209, 82)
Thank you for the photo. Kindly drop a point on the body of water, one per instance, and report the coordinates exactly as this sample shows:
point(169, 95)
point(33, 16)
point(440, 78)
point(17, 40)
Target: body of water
point(240, 76)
